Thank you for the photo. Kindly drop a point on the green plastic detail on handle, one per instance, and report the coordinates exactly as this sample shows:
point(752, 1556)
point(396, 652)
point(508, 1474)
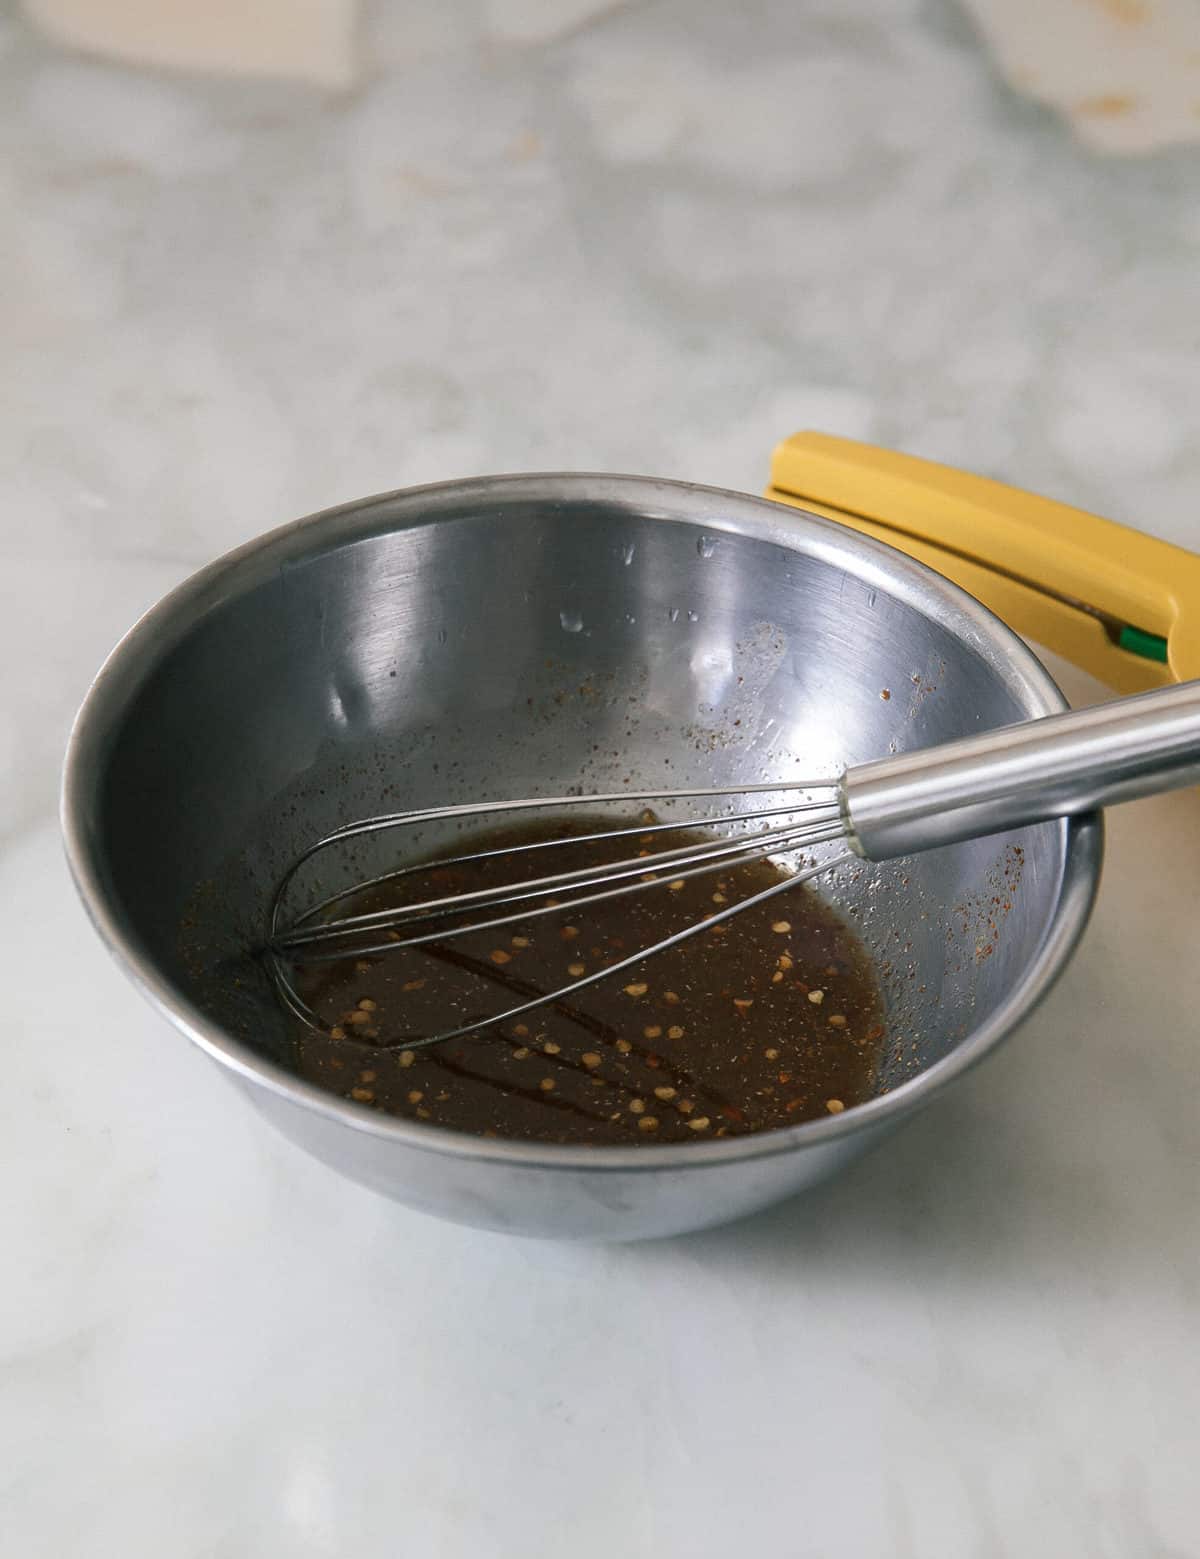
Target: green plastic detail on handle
point(1150, 646)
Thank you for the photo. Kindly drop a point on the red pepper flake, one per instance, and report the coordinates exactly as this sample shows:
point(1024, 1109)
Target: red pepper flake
point(732, 1112)
point(794, 1104)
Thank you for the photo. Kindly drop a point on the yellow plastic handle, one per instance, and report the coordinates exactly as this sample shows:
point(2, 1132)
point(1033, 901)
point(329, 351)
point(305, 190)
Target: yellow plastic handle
point(1122, 605)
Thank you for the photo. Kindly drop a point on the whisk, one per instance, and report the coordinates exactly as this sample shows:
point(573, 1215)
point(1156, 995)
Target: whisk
point(1058, 766)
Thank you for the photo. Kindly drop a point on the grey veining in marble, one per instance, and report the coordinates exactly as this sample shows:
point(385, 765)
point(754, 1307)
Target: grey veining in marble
point(652, 237)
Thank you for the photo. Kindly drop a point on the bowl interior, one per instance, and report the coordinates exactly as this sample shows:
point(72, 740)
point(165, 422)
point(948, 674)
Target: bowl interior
point(484, 641)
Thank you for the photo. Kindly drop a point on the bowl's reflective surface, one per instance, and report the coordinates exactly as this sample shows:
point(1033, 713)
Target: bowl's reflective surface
point(521, 635)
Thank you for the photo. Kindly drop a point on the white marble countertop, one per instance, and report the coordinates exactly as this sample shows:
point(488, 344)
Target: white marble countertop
point(657, 239)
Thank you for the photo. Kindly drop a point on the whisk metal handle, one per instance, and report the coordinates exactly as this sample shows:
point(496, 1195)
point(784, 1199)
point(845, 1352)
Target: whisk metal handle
point(1054, 767)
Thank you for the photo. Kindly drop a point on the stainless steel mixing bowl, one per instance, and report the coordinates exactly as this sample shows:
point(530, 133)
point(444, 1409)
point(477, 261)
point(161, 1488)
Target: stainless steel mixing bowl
point(517, 635)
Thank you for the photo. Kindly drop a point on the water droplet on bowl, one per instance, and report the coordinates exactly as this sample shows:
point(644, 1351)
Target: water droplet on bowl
point(627, 554)
point(673, 614)
point(705, 546)
point(571, 622)
point(693, 617)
